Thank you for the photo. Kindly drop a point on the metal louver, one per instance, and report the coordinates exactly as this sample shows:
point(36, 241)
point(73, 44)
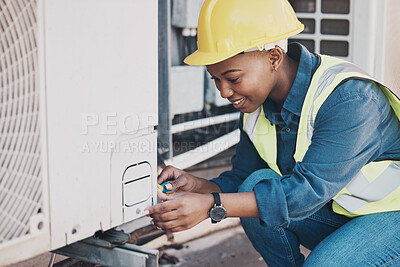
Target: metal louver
point(20, 153)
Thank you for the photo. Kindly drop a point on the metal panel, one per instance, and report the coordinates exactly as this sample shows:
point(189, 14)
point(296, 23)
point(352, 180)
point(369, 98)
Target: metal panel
point(391, 66)
point(187, 89)
point(137, 154)
point(375, 36)
point(185, 13)
point(101, 86)
point(365, 34)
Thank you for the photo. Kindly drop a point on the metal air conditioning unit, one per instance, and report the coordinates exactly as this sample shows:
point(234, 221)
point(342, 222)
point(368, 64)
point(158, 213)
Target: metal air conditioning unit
point(78, 110)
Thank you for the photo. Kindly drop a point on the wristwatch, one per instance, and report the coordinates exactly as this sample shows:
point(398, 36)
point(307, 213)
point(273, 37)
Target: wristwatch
point(217, 212)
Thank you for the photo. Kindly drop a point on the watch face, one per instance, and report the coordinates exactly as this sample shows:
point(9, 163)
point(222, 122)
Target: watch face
point(218, 213)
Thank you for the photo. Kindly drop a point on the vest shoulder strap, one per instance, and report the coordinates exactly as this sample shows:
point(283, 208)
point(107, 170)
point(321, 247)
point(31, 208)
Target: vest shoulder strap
point(330, 74)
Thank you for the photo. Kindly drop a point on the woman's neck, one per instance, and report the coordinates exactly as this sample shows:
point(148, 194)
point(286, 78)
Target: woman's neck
point(286, 75)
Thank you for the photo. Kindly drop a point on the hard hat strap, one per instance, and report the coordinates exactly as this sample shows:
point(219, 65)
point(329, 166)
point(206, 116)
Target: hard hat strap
point(281, 43)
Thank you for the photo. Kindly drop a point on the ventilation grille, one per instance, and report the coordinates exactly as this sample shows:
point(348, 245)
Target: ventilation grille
point(327, 26)
point(20, 155)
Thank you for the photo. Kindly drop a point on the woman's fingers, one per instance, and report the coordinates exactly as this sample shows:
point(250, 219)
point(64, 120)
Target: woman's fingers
point(180, 181)
point(161, 195)
point(169, 173)
point(177, 179)
point(176, 225)
point(180, 211)
point(166, 216)
point(167, 205)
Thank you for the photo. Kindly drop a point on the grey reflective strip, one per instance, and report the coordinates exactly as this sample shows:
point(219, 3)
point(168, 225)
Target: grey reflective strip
point(381, 187)
point(250, 125)
point(329, 75)
point(325, 80)
point(358, 185)
point(350, 203)
point(310, 125)
point(364, 192)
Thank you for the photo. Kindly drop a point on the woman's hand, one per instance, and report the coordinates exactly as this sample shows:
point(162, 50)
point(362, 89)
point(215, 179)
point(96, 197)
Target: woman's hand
point(178, 179)
point(180, 211)
point(185, 181)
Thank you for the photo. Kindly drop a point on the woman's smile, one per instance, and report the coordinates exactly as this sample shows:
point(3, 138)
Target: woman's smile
point(239, 102)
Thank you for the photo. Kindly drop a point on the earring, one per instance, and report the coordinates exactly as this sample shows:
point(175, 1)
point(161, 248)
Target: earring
point(274, 68)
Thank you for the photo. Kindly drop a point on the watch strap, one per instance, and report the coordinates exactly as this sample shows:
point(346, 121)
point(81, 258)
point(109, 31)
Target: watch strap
point(217, 199)
point(217, 203)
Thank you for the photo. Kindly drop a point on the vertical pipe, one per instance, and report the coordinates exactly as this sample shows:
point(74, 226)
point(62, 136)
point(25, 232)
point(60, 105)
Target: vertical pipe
point(164, 63)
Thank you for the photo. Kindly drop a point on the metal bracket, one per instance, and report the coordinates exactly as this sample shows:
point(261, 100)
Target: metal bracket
point(106, 253)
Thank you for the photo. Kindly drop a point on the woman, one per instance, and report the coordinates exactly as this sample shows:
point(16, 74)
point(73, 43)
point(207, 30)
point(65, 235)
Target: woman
point(318, 162)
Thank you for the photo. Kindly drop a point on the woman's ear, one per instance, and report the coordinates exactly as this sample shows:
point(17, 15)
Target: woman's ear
point(276, 57)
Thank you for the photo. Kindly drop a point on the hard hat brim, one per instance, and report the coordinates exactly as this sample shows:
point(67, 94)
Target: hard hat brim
point(203, 59)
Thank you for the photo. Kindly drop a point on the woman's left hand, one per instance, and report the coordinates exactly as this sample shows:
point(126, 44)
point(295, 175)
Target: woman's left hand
point(180, 211)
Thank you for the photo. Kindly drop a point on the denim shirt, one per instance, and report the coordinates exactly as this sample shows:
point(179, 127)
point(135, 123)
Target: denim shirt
point(354, 126)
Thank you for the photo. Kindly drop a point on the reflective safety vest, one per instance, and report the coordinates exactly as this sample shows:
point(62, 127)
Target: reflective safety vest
point(376, 188)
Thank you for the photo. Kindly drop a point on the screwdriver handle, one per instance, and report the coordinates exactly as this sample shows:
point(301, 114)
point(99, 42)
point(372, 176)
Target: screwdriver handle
point(165, 190)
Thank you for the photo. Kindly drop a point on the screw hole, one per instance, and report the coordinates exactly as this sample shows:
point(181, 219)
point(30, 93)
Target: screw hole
point(40, 225)
point(75, 230)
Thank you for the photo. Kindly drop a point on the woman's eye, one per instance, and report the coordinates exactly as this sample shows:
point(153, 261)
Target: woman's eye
point(233, 80)
point(215, 79)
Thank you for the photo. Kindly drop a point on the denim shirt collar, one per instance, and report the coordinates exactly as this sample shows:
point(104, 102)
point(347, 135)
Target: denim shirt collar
point(294, 101)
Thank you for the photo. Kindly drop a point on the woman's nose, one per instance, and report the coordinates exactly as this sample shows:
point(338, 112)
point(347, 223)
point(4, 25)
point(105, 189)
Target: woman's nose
point(225, 91)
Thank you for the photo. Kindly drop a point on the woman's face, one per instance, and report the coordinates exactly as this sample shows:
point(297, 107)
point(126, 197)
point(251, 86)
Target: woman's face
point(246, 79)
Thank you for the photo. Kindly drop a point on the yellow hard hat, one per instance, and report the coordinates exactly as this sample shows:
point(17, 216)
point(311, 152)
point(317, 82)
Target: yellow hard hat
point(229, 27)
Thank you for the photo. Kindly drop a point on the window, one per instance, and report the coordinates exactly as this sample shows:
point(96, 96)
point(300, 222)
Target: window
point(335, 48)
point(335, 26)
point(307, 6)
point(336, 6)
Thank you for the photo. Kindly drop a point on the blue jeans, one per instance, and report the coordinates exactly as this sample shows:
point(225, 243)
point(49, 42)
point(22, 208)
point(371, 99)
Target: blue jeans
point(335, 240)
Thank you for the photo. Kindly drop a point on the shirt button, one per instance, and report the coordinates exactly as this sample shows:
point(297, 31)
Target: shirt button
point(287, 130)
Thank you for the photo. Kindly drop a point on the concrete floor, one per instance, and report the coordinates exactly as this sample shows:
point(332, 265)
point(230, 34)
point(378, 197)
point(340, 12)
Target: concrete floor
point(228, 247)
